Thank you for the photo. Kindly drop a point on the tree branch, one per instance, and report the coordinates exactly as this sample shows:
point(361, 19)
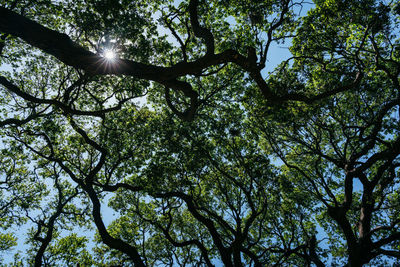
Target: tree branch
point(199, 31)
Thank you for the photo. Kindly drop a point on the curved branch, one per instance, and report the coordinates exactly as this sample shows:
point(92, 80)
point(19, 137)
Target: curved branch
point(208, 223)
point(110, 241)
point(17, 122)
point(16, 90)
point(49, 235)
point(63, 48)
point(391, 253)
point(188, 91)
point(384, 241)
point(199, 31)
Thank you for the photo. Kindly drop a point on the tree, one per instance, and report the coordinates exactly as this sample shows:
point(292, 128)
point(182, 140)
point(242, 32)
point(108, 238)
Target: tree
point(222, 163)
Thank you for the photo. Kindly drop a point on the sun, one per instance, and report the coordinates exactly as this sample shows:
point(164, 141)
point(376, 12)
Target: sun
point(109, 54)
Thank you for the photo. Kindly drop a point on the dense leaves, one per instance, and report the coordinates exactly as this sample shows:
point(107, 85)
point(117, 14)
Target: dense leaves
point(182, 150)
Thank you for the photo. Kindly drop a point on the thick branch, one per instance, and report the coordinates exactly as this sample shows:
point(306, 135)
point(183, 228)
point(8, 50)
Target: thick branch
point(313, 254)
point(63, 48)
point(392, 253)
point(105, 236)
point(225, 255)
point(339, 215)
point(198, 30)
point(384, 241)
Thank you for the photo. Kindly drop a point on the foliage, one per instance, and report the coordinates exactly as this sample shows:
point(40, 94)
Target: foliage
point(182, 150)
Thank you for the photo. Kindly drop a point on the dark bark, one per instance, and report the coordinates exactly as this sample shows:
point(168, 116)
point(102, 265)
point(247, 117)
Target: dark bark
point(224, 252)
point(63, 48)
point(105, 236)
point(50, 226)
point(66, 108)
point(199, 31)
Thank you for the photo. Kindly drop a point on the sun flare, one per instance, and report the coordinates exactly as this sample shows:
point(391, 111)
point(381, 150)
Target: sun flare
point(109, 54)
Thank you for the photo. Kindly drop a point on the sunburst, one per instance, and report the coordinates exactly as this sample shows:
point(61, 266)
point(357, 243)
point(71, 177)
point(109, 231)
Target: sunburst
point(109, 55)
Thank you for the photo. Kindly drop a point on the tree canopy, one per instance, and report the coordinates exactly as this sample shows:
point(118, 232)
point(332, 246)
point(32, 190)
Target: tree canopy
point(182, 150)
